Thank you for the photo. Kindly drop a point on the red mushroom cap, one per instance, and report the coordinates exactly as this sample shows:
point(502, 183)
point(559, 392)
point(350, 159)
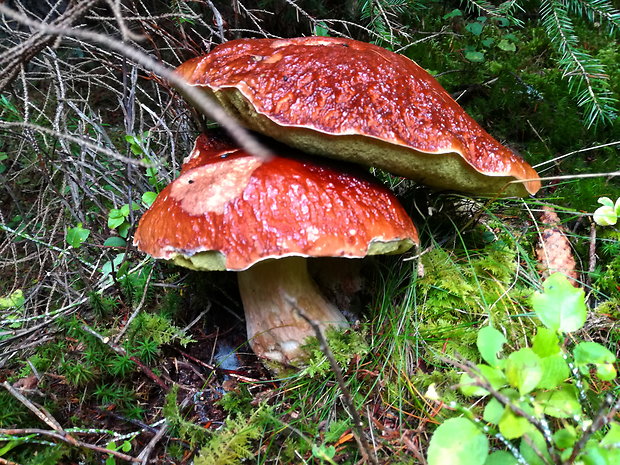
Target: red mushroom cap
point(352, 100)
point(229, 210)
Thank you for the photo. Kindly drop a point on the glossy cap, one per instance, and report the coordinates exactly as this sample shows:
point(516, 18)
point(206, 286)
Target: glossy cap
point(228, 210)
point(359, 102)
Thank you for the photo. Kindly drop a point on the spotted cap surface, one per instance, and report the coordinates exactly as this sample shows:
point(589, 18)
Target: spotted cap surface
point(357, 101)
point(228, 210)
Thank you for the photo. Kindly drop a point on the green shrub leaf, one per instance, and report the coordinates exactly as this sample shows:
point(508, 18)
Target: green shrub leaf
point(561, 306)
point(490, 342)
point(565, 438)
point(501, 457)
point(592, 353)
point(524, 370)
point(115, 241)
point(458, 441)
point(513, 426)
point(148, 198)
point(563, 403)
point(493, 411)
point(555, 371)
point(529, 454)
point(546, 342)
point(494, 376)
point(76, 236)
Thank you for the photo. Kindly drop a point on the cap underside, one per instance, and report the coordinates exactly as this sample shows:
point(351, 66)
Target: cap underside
point(214, 260)
point(442, 169)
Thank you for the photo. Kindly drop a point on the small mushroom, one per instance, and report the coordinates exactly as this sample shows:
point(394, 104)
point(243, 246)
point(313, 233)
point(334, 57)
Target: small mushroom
point(229, 210)
point(359, 102)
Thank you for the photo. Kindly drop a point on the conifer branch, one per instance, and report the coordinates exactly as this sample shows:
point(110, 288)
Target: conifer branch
point(586, 76)
point(597, 10)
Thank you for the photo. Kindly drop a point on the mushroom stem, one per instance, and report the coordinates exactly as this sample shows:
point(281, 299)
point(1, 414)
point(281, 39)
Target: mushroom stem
point(275, 330)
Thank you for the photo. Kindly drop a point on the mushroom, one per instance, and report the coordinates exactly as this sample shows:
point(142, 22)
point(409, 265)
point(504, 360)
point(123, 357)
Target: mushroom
point(359, 102)
point(229, 210)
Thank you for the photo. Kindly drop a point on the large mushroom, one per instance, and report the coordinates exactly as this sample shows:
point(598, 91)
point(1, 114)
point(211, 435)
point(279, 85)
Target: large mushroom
point(229, 210)
point(359, 102)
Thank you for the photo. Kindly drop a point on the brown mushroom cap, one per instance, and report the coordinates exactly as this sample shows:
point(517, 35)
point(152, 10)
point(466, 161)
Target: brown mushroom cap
point(229, 210)
point(359, 102)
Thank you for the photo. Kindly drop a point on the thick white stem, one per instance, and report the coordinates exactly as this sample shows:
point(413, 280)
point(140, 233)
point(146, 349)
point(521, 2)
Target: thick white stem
point(275, 330)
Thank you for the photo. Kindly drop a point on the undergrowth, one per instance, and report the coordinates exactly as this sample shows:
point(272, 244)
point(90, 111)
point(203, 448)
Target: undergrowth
point(115, 349)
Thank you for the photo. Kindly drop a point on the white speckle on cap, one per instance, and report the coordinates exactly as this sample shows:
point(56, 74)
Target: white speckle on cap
point(209, 188)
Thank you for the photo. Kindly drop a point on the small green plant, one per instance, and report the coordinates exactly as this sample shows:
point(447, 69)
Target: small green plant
point(76, 236)
point(125, 446)
point(542, 408)
point(608, 214)
point(118, 218)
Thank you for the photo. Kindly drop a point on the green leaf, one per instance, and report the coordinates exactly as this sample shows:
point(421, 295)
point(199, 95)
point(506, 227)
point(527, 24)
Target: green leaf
point(323, 452)
point(148, 198)
point(563, 403)
point(475, 28)
point(124, 210)
point(565, 438)
point(606, 201)
point(458, 441)
point(545, 342)
point(488, 41)
point(115, 222)
point(76, 236)
point(474, 56)
point(524, 370)
point(501, 457)
point(592, 353)
point(561, 306)
point(513, 426)
point(594, 455)
point(613, 436)
point(123, 229)
point(507, 46)
point(605, 216)
point(13, 300)
point(493, 411)
point(494, 376)
point(320, 29)
point(528, 453)
point(490, 342)
point(453, 13)
point(3, 156)
point(555, 371)
point(115, 241)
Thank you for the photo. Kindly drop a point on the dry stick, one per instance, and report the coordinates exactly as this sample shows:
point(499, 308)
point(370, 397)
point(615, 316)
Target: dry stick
point(358, 432)
point(592, 253)
point(135, 313)
point(195, 96)
point(78, 140)
point(43, 415)
point(25, 51)
point(606, 413)
point(68, 439)
point(123, 353)
point(146, 452)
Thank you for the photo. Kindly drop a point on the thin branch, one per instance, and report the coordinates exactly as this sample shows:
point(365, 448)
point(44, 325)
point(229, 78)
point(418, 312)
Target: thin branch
point(70, 440)
point(194, 95)
point(365, 449)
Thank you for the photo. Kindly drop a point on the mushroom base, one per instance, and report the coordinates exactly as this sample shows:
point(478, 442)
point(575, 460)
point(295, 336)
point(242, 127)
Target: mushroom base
point(270, 290)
